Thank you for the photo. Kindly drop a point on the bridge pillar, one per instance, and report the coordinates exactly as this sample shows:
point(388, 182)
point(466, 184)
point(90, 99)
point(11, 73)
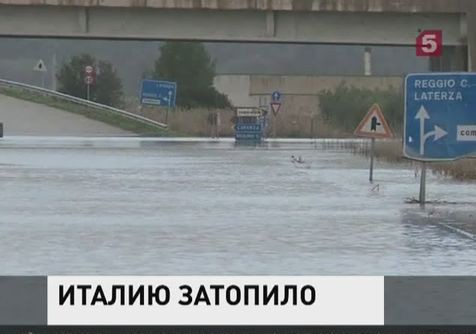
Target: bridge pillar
point(270, 24)
point(454, 59)
point(471, 21)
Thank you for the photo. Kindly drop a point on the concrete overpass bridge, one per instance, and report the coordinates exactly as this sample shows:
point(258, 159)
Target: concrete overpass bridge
point(363, 22)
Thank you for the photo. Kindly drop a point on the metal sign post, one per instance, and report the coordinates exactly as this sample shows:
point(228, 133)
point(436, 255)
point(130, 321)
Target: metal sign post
point(89, 79)
point(372, 154)
point(423, 184)
point(275, 125)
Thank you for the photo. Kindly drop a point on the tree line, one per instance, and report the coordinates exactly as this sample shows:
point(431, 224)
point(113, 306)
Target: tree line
point(186, 63)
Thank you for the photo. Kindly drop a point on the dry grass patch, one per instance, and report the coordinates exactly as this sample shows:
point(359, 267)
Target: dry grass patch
point(391, 151)
point(193, 122)
point(462, 170)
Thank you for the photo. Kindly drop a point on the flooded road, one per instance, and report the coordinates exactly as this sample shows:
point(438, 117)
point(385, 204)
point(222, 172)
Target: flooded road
point(132, 206)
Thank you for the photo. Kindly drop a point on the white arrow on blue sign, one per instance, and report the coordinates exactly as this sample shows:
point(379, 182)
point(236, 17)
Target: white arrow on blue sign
point(276, 96)
point(440, 116)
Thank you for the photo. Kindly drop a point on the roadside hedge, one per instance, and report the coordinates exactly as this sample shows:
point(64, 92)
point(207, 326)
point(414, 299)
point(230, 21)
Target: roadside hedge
point(346, 106)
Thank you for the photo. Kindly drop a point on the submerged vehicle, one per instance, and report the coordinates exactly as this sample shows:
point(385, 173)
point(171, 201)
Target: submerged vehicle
point(250, 124)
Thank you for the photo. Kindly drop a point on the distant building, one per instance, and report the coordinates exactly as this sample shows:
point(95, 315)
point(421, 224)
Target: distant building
point(300, 93)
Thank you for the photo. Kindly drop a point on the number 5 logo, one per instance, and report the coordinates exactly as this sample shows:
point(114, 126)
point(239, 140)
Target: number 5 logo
point(429, 43)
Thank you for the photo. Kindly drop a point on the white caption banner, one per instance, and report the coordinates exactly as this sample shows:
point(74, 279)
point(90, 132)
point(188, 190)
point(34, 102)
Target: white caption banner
point(351, 300)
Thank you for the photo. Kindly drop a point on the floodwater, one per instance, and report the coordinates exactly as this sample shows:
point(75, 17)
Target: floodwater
point(145, 206)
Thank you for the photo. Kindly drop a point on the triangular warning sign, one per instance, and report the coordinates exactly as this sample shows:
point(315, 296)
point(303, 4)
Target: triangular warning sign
point(40, 66)
point(275, 106)
point(374, 125)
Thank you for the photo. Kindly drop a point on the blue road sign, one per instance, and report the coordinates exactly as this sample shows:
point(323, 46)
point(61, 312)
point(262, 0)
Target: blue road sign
point(248, 135)
point(243, 127)
point(159, 93)
point(440, 116)
point(276, 96)
point(246, 131)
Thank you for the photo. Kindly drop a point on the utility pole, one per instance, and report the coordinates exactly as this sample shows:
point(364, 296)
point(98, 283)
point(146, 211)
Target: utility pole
point(423, 185)
point(372, 155)
point(54, 85)
point(368, 61)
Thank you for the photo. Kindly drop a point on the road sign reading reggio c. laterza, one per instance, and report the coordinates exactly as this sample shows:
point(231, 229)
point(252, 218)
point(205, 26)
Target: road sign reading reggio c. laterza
point(440, 116)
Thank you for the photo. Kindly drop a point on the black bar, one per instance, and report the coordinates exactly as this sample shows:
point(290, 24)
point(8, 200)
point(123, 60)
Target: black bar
point(240, 330)
point(23, 300)
point(431, 300)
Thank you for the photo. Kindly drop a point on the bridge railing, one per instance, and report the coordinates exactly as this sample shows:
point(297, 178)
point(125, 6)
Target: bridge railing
point(83, 102)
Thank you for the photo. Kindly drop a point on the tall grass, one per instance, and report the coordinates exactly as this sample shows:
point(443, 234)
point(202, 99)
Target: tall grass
point(193, 122)
point(461, 170)
point(391, 151)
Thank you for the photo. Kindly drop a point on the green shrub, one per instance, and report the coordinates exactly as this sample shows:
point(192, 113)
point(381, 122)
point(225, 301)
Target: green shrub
point(345, 107)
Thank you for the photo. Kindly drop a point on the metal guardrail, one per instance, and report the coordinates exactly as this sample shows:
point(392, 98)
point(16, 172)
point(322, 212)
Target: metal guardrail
point(83, 102)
